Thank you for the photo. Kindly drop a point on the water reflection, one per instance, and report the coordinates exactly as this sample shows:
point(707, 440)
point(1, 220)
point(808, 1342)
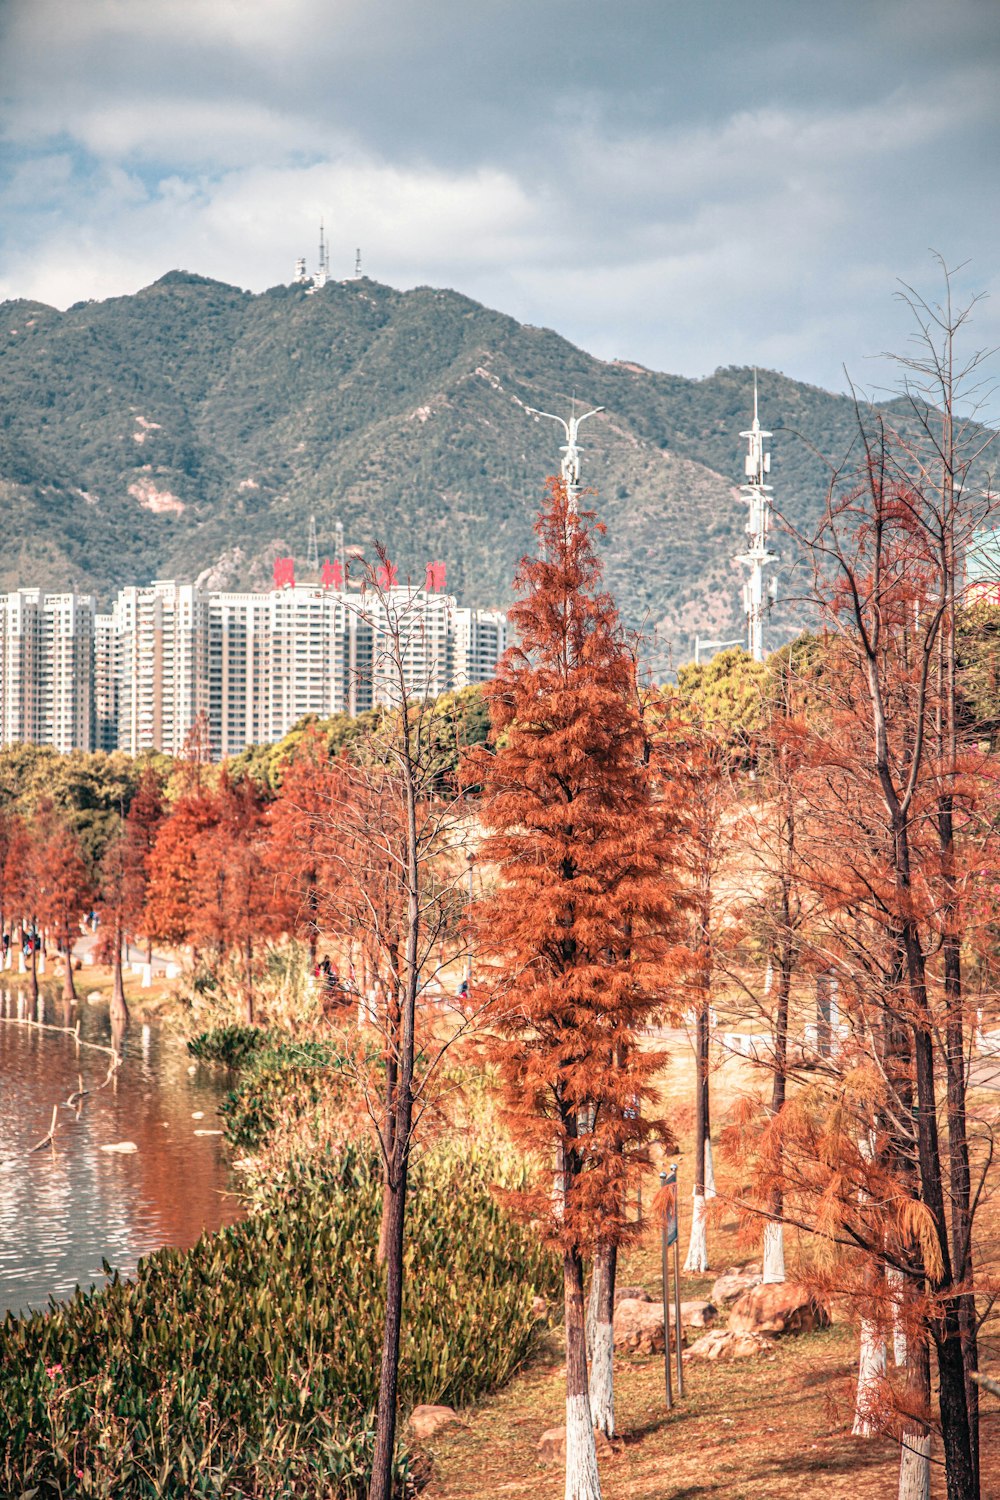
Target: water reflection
point(63, 1209)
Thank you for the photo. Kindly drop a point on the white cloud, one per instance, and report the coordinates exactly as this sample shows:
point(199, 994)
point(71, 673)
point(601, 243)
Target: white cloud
point(751, 199)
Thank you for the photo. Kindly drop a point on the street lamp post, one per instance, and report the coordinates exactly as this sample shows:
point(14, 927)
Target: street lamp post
point(570, 450)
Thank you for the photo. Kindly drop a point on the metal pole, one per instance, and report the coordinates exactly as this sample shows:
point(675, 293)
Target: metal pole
point(677, 1316)
point(666, 1306)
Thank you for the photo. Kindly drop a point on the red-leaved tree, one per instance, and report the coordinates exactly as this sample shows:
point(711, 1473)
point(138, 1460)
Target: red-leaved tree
point(575, 937)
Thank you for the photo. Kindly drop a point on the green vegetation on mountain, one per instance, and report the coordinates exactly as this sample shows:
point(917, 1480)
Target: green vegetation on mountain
point(192, 429)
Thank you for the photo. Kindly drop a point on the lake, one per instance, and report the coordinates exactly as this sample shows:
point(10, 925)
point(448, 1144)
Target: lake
point(65, 1207)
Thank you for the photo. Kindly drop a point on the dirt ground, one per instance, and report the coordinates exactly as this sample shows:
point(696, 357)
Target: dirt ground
point(748, 1430)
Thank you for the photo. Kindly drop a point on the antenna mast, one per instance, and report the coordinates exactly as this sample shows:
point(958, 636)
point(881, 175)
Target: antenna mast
point(570, 450)
point(323, 273)
point(312, 554)
point(357, 264)
point(757, 600)
point(338, 548)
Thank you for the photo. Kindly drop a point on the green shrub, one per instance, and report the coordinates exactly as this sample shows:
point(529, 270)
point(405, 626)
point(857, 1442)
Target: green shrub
point(232, 1046)
point(247, 1366)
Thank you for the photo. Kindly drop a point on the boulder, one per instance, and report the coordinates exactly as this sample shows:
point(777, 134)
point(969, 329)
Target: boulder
point(631, 1294)
point(94, 996)
point(698, 1314)
point(780, 1307)
point(723, 1344)
point(551, 1446)
point(638, 1326)
point(425, 1421)
point(731, 1285)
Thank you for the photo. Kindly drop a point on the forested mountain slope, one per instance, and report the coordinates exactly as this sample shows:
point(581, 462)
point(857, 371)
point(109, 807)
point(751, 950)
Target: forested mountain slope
point(192, 429)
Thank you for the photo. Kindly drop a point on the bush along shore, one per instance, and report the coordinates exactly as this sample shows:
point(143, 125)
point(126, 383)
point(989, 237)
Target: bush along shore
point(247, 1366)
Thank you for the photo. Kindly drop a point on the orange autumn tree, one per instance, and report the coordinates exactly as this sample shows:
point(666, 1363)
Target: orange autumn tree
point(302, 869)
point(123, 880)
point(62, 882)
point(236, 891)
point(574, 940)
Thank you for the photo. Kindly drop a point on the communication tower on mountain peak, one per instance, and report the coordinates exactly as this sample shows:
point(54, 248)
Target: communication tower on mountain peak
point(357, 264)
point(757, 599)
point(323, 273)
point(312, 553)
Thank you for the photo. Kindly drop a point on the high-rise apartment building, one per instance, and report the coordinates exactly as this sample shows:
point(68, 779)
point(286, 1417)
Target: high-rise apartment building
point(250, 666)
point(47, 668)
point(479, 639)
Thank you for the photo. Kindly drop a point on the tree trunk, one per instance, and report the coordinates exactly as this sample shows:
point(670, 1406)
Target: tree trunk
point(394, 1216)
point(119, 1006)
point(69, 988)
point(871, 1374)
point(697, 1256)
point(915, 1442)
point(601, 1338)
point(398, 1164)
point(33, 972)
point(582, 1481)
point(389, 1127)
point(248, 1006)
point(774, 1234)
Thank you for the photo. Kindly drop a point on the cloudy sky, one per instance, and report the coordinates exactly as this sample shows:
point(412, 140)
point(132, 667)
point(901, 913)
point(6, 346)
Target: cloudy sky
point(687, 183)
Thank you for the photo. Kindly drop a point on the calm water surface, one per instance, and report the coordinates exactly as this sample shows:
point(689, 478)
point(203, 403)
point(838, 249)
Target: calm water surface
point(63, 1209)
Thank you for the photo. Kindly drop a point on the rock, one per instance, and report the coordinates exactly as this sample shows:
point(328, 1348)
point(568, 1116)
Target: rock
point(425, 1421)
point(731, 1285)
point(93, 996)
point(698, 1314)
point(780, 1307)
point(122, 1148)
point(723, 1344)
point(631, 1294)
point(551, 1447)
point(638, 1326)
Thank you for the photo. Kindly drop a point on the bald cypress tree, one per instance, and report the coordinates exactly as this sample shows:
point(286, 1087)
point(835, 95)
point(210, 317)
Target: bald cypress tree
point(576, 935)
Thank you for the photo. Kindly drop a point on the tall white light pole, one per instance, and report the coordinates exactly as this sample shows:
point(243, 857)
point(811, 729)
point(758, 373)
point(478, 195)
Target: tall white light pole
point(570, 466)
point(757, 599)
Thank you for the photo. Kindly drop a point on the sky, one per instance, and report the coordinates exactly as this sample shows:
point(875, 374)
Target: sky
point(682, 183)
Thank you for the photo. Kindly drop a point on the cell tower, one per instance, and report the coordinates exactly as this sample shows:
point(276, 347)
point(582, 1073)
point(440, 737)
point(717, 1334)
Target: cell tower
point(338, 547)
point(323, 273)
point(570, 450)
point(757, 599)
point(312, 554)
point(357, 264)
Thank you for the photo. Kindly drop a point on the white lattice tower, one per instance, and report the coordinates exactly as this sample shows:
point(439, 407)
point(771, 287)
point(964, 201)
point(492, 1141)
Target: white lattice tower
point(757, 597)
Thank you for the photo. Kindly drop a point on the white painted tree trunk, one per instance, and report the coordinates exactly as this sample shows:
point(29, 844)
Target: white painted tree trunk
point(915, 1467)
point(582, 1479)
point(601, 1373)
point(774, 1253)
point(895, 1280)
point(697, 1256)
point(871, 1372)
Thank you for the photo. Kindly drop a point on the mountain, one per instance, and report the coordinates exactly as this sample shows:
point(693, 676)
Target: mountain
point(192, 429)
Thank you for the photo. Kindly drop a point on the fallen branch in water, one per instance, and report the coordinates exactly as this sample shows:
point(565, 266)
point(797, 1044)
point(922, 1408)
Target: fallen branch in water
point(47, 1140)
